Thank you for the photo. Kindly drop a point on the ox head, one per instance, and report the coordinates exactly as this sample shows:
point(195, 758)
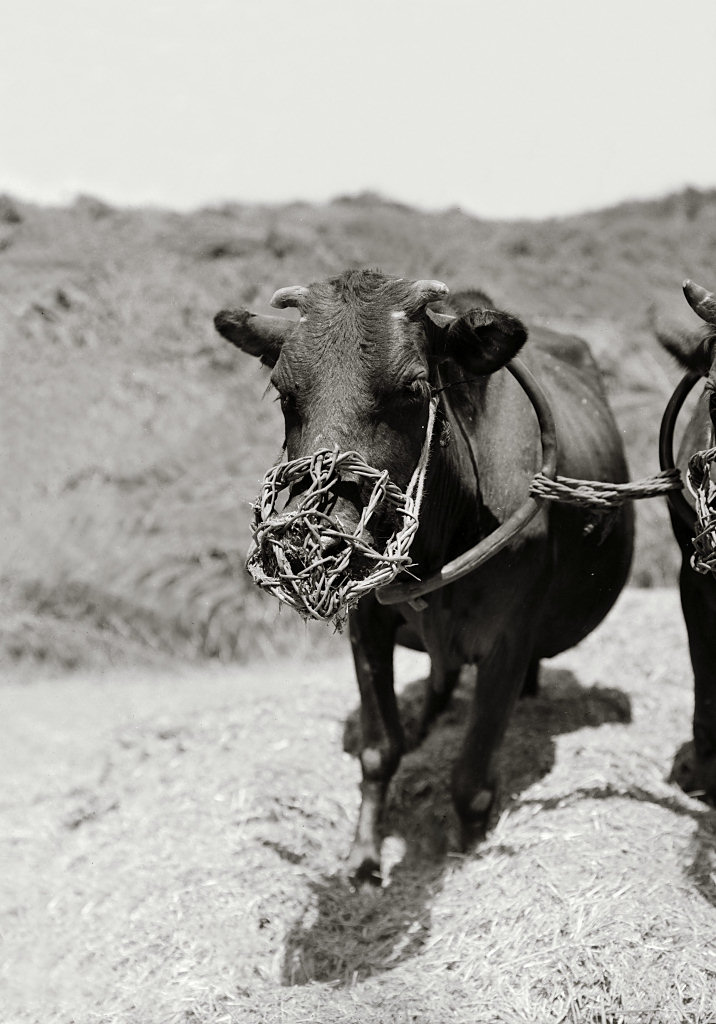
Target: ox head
point(698, 352)
point(357, 369)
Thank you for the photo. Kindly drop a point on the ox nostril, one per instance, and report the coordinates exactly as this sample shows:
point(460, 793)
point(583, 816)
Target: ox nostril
point(330, 545)
point(348, 489)
point(294, 495)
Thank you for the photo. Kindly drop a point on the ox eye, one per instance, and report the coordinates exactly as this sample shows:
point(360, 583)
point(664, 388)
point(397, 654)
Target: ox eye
point(287, 399)
point(289, 406)
point(410, 393)
point(416, 390)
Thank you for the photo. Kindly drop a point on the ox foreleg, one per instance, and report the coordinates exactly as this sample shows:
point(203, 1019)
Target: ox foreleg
point(698, 599)
point(501, 677)
point(372, 633)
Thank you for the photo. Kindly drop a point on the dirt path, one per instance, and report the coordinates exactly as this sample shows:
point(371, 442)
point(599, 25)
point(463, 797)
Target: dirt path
point(171, 846)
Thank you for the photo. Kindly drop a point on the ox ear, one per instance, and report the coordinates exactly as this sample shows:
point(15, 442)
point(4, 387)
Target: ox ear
point(483, 340)
point(692, 351)
point(260, 336)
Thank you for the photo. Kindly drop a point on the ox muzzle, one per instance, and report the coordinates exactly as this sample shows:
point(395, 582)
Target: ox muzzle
point(346, 529)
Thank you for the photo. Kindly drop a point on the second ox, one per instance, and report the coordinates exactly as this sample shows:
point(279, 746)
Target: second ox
point(359, 370)
point(695, 767)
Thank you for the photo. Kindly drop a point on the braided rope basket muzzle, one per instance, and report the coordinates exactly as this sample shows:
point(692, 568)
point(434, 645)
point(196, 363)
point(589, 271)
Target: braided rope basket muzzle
point(308, 560)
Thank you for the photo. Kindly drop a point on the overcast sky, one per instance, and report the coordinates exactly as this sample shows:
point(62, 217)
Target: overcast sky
point(507, 109)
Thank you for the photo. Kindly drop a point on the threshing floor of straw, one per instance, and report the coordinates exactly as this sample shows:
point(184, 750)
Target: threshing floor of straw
point(171, 845)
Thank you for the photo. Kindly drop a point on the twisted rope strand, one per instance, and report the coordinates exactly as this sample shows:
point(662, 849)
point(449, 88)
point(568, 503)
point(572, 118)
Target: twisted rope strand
point(601, 495)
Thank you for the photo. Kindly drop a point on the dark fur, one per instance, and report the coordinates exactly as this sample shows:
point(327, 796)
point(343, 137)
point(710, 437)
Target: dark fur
point(349, 371)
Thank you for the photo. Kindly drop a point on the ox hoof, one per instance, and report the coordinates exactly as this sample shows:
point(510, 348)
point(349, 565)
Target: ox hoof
point(697, 778)
point(474, 818)
point(362, 868)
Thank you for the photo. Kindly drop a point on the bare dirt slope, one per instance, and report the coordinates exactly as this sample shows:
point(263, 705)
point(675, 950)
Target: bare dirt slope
point(171, 846)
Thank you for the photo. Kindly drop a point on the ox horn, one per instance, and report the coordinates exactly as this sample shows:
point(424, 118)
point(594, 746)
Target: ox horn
point(289, 296)
point(429, 291)
point(702, 302)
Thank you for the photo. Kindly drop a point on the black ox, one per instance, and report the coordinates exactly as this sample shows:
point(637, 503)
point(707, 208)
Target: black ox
point(695, 767)
point(358, 370)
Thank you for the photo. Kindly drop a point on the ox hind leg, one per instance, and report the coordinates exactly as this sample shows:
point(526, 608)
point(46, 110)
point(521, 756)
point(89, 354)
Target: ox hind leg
point(501, 677)
point(439, 689)
point(439, 685)
point(372, 634)
point(530, 687)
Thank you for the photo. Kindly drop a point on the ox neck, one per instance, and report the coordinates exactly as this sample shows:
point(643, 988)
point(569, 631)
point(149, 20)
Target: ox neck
point(452, 517)
point(502, 535)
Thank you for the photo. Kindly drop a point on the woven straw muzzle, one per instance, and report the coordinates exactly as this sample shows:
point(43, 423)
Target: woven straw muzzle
point(308, 560)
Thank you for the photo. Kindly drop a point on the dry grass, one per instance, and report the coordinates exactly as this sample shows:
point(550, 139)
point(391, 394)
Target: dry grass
point(174, 843)
point(133, 438)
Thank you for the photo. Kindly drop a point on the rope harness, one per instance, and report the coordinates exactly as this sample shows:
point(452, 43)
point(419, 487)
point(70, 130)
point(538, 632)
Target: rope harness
point(308, 561)
point(703, 488)
point(600, 496)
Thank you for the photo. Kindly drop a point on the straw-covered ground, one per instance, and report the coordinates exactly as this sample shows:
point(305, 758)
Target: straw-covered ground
point(174, 843)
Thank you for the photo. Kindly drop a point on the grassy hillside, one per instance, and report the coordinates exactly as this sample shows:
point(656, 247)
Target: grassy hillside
point(133, 438)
